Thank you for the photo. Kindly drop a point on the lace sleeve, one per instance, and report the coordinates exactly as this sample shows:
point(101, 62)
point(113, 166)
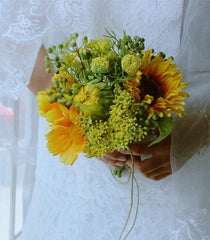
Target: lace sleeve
point(191, 133)
point(23, 23)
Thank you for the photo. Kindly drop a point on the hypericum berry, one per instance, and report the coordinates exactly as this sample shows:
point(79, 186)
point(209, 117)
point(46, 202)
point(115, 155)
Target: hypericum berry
point(49, 50)
point(60, 46)
point(73, 44)
point(46, 58)
point(58, 64)
point(55, 80)
point(53, 99)
point(141, 120)
point(56, 84)
point(146, 106)
point(64, 90)
point(162, 54)
point(146, 129)
point(47, 64)
point(48, 70)
point(155, 117)
point(58, 95)
point(141, 112)
point(75, 35)
point(60, 80)
point(147, 122)
point(85, 39)
point(68, 103)
point(56, 59)
point(64, 80)
point(49, 92)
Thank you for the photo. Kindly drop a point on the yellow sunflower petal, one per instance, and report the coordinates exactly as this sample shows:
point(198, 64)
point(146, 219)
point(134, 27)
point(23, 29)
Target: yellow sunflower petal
point(168, 81)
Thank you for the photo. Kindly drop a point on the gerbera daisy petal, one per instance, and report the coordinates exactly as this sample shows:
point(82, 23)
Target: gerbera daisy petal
point(71, 154)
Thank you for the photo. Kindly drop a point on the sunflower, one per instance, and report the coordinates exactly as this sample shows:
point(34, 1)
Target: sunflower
point(64, 137)
point(133, 86)
point(161, 81)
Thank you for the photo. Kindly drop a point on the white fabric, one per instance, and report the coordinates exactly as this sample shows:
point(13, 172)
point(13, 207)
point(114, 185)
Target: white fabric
point(83, 201)
point(190, 185)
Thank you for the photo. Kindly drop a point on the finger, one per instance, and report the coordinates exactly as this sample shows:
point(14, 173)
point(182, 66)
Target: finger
point(160, 171)
point(157, 178)
point(112, 162)
point(147, 165)
point(141, 148)
point(116, 156)
point(137, 149)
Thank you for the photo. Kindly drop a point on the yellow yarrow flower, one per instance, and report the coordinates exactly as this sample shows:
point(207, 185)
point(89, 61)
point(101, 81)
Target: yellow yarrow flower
point(117, 132)
point(131, 64)
point(100, 65)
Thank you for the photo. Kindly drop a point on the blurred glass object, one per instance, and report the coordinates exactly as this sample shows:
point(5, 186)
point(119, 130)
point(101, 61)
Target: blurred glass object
point(18, 146)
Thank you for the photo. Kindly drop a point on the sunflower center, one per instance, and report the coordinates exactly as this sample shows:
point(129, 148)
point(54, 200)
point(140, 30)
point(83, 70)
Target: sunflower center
point(150, 86)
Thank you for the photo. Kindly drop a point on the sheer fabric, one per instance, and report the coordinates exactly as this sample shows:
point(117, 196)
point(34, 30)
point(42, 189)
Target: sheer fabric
point(83, 201)
point(190, 188)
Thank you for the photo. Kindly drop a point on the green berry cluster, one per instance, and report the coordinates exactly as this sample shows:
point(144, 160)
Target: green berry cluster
point(127, 43)
point(149, 125)
point(58, 51)
point(59, 92)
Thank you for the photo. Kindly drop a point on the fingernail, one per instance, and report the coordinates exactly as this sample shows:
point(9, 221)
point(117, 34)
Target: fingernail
point(122, 158)
point(119, 164)
point(145, 157)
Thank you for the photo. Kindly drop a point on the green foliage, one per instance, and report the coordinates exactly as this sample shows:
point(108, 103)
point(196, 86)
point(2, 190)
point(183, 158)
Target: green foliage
point(165, 126)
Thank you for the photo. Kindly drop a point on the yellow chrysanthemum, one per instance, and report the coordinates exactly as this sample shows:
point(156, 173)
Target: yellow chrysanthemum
point(162, 80)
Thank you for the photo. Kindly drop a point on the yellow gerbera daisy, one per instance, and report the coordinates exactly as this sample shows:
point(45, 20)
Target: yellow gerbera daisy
point(65, 137)
point(66, 141)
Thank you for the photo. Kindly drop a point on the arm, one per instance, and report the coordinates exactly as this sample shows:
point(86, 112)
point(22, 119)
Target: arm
point(40, 80)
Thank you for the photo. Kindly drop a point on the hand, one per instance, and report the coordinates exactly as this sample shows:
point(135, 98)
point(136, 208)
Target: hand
point(156, 166)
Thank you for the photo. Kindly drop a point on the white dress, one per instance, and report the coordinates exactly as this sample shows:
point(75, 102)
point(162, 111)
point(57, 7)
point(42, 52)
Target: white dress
point(83, 201)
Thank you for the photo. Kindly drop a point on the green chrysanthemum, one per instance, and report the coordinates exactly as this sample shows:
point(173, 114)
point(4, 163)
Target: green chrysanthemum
point(94, 100)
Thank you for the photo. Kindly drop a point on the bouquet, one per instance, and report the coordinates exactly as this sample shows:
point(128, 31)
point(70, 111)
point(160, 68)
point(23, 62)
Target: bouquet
point(107, 93)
